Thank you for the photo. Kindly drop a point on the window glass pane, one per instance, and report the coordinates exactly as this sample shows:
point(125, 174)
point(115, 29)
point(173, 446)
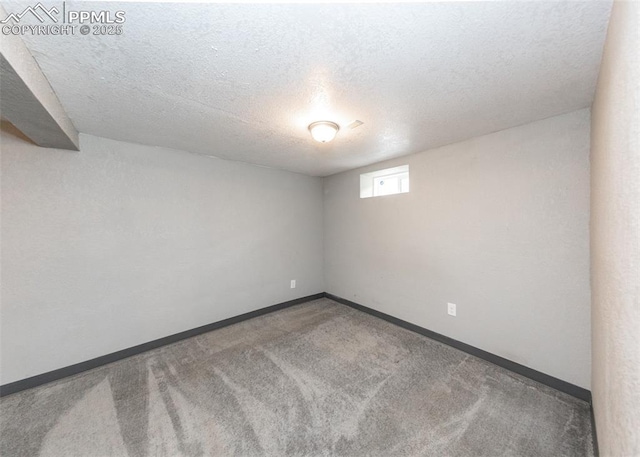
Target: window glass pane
point(386, 185)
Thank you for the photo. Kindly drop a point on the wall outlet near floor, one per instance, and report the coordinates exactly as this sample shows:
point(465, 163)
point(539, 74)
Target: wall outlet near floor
point(293, 283)
point(451, 309)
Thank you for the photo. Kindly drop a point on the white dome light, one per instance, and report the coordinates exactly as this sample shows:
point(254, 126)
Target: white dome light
point(323, 131)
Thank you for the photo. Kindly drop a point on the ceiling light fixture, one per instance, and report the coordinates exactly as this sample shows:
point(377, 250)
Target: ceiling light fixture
point(323, 131)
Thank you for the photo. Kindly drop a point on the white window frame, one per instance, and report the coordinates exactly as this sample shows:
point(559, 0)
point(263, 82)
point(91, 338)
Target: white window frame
point(368, 181)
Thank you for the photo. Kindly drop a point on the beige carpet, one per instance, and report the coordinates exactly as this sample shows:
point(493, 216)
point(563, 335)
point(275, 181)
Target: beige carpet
point(316, 379)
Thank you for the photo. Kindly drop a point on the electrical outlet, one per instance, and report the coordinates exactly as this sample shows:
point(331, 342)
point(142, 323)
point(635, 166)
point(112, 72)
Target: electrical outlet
point(293, 283)
point(451, 309)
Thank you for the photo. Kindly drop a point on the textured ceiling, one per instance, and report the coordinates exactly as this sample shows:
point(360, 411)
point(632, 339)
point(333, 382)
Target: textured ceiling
point(243, 81)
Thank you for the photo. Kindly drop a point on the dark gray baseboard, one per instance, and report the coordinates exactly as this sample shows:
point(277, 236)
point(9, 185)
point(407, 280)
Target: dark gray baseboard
point(71, 370)
point(558, 384)
point(596, 450)
point(60, 373)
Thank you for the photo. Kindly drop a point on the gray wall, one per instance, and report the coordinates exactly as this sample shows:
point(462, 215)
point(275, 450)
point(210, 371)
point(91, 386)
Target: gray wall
point(120, 244)
point(615, 237)
point(498, 225)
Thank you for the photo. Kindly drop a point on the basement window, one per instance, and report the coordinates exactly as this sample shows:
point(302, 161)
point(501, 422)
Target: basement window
point(385, 182)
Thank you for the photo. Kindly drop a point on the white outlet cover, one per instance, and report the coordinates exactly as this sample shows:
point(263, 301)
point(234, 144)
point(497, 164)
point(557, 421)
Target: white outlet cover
point(293, 283)
point(451, 309)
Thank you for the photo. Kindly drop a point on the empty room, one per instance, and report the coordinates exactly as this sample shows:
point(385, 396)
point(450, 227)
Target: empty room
point(329, 229)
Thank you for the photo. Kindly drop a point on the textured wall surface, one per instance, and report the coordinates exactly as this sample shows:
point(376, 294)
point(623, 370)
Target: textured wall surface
point(498, 225)
point(243, 79)
point(120, 244)
point(615, 237)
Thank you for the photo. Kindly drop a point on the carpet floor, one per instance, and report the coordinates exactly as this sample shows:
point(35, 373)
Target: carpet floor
point(316, 379)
